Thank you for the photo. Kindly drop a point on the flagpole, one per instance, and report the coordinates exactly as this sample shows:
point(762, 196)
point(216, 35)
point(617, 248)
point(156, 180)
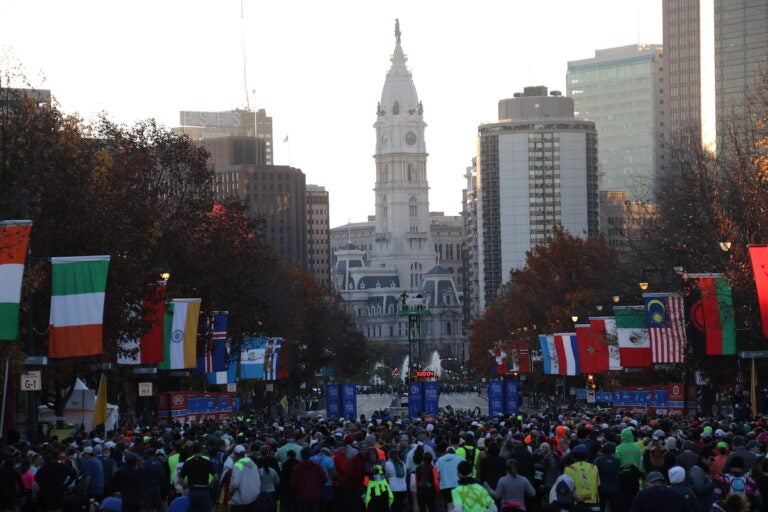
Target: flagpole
point(5, 399)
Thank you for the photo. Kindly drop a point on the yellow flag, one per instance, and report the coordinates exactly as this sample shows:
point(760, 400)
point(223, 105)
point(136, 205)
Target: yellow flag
point(284, 403)
point(100, 410)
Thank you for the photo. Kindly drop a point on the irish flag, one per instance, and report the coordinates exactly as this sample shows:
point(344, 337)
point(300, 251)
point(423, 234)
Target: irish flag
point(182, 317)
point(77, 305)
point(14, 239)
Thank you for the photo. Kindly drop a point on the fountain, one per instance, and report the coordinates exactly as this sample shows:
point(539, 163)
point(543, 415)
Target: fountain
point(434, 364)
point(405, 368)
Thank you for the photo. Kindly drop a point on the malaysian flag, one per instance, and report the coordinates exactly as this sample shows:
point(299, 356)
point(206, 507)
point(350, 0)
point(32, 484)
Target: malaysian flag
point(664, 314)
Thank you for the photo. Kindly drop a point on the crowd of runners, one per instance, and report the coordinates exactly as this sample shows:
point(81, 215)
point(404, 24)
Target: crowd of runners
point(581, 461)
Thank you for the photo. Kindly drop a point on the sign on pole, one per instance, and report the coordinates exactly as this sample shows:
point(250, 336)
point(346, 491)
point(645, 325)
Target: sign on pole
point(145, 389)
point(31, 381)
point(232, 387)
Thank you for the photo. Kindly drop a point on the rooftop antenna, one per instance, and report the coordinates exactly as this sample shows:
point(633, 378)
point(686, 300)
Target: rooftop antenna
point(245, 59)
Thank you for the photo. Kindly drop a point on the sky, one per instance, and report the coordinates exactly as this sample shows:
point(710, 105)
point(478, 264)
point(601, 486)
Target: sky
point(317, 68)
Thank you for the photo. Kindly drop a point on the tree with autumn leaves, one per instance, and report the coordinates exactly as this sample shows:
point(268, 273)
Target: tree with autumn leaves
point(568, 276)
point(144, 195)
point(702, 198)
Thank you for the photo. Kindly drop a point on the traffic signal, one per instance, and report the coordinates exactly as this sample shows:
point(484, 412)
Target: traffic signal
point(591, 384)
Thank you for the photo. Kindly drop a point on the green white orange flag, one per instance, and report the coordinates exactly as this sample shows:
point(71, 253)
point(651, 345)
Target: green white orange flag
point(77, 305)
point(14, 239)
point(181, 334)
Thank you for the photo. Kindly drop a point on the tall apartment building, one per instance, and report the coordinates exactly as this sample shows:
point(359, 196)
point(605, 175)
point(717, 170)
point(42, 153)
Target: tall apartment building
point(622, 91)
point(536, 167)
point(318, 234)
point(715, 51)
point(240, 155)
point(399, 249)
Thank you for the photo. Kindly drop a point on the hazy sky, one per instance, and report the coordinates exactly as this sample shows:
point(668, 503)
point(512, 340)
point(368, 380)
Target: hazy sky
point(317, 68)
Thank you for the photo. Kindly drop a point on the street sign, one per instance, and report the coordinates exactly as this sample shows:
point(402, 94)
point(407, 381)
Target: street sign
point(31, 381)
point(232, 387)
point(145, 389)
point(756, 354)
point(36, 360)
point(591, 396)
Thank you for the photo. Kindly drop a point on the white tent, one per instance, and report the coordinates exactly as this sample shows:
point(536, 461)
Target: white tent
point(79, 409)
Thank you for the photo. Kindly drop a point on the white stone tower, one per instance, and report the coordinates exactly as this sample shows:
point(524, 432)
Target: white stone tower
point(402, 238)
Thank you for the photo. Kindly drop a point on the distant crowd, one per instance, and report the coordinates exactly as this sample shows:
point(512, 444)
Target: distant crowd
point(578, 462)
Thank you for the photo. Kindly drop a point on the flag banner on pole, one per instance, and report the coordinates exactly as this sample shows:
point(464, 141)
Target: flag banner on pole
point(524, 360)
point(549, 354)
point(100, 409)
point(593, 352)
point(229, 375)
point(634, 347)
point(180, 340)
point(604, 331)
point(259, 358)
point(711, 316)
point(78, 285)
point(759, 256)
point(14, 240)
point(284, 360)
point(665, 318)
point(500, 359)
point(214, 358)
point(567, 353)
point(149, 348)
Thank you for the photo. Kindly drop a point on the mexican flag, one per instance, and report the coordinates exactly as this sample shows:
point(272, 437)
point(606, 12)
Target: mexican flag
point(14, 239)
point(78, 287)
point(632, 332)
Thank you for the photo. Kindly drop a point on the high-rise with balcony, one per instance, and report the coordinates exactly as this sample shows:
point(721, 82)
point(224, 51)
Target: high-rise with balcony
point(536, 168)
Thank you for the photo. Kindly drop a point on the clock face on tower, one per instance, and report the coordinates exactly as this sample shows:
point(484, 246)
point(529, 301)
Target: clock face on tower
point(410, 138)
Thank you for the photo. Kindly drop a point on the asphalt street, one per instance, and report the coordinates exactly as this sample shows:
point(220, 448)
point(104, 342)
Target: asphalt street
point(367, 404)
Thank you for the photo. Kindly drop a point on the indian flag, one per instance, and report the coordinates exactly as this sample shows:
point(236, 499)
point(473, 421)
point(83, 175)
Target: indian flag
point(14, 239)
point(77, 305)
point(181, 334)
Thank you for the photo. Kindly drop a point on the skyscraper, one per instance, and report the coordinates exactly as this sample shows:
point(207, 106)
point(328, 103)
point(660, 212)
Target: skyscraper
point(714, 52)
point(240, 144)
point(536, 167)
point(622, 91)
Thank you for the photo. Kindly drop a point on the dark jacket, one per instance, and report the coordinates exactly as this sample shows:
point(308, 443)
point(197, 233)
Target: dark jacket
point(307, 480)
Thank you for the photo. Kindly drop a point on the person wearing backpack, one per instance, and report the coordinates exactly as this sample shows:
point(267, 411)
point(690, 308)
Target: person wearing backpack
point(469, 452)
point(396, 476)
point(736, 482)
point(677, 480)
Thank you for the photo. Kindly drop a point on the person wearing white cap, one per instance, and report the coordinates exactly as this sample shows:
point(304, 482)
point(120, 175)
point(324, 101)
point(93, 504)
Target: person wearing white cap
point(245, 485)
point(676, 476)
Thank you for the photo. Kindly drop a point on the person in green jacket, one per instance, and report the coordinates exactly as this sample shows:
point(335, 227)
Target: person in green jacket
point(630, 457)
